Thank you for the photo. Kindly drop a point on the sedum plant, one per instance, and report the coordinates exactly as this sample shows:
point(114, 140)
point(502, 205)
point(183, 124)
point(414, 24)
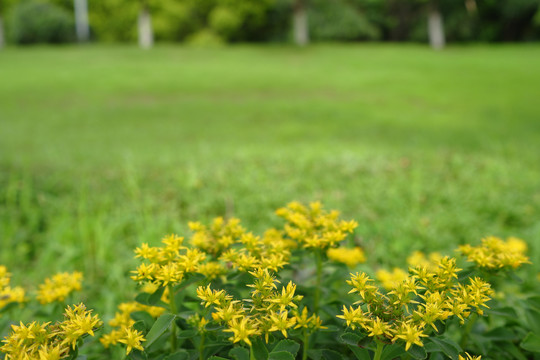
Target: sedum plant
point(301, 291)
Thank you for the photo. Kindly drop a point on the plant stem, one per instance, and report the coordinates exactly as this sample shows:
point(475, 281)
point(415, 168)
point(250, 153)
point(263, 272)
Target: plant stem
point(467, 331)
point(378, 351)
point(201, 347)
point(318, 264)
point(251, 354)
point(174, 311)
point(306, 345)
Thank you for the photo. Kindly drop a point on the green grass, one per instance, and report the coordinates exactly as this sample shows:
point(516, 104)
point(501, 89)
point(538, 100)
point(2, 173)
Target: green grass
point(102, 148)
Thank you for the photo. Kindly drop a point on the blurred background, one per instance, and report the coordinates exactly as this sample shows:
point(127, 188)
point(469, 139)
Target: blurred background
point(237, 107)
point(269, 21)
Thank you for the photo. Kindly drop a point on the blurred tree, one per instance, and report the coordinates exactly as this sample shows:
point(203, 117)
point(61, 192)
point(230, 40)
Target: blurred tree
point(300, 23)
point(81, 20)
point(144, 26)
point(436, 35)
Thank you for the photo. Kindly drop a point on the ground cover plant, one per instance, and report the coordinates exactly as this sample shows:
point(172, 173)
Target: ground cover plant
point(228, 293)
point(102, 148)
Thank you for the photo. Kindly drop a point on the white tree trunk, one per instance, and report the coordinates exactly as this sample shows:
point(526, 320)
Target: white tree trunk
point(300, 23)
point(2, 38)
point(81, 20)
point(146, 34)
point(435, 28)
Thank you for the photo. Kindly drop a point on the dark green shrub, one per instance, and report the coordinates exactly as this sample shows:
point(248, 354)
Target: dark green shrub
point(40, 22)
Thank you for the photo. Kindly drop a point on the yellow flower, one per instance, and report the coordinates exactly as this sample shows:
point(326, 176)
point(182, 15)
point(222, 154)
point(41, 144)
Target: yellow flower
point(281, 322)
point(242, 329)
point(58, 287)
point(469, 357)
point(46, 341)
point(361, 284)
point(287, 297)
point(391, 280)
point(377, 327)
point(352, 316)
point(494, 253)
point(211, 270)
point(212, 297)
point(411, 334)
point(350, 257)
point(132, 339)
point(228, 312)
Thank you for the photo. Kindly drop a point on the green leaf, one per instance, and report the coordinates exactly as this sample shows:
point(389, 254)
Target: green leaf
point(140, 326)
point(505, 312)
point(447, 346)
point(500, 334)
point(531, 343)
point(287, 345)
point(330, 355)
point(315, 354)
point(280, 355)
point(533, 302)
point(417, 352)
point(138, 355)
point(259, 349)
point(512, 350)
point(160, 326)
point(155, 297)
point(179, 355)
point(533, 319)
point(143, 316)
point(217, 358)
point(392, 351)
point(350, 338)
point(239, 353)
point(187, 334)
point(142, 298)
point(360, 353)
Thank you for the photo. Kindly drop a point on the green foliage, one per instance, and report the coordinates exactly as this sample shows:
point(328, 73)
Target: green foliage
point(205, 38)
point(339, 20)
point(36, 21)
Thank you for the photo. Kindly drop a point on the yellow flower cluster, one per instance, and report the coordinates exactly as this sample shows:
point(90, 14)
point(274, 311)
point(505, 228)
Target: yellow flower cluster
point(169, 263)
point(418, 258)
point(267, 310)
point(313, 227)
point(390, 279)
point(9, 294)
point(416, 303)
point(250, 252)
point(122, 323)
point(58, 287)
point(214, 248)
point(495, 253)
point(38, 341)
point(349, 257)
point(218, 236)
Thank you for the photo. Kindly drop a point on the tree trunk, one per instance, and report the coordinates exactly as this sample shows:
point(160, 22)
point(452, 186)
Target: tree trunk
point(146, 34)
point(300, 23)
point(435, 27)
point(2, 38)
point(81, 20)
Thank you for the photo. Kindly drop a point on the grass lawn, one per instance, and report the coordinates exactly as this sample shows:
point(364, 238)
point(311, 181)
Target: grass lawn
point(102, 148)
